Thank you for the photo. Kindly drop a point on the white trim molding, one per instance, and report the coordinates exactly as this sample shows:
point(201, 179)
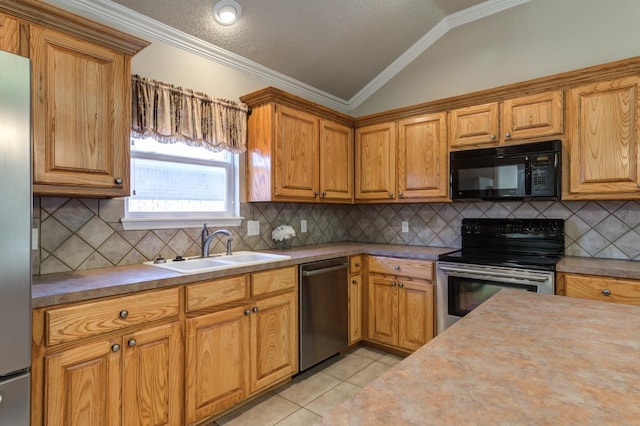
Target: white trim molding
point(120, 17)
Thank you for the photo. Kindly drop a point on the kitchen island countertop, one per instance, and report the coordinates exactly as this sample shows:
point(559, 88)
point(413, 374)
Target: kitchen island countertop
point(519, 358)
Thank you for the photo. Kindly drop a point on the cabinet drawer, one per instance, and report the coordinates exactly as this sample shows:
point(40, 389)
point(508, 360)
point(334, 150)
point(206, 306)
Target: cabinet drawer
point(422, 269)
point(92, 318)
point(355, 264)
point(603, 288)
point(274, 280)
point(212, 293)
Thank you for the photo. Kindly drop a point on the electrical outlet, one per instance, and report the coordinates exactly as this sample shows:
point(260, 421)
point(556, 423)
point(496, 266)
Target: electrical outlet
point(34, 239)
point(405, 226)
point(253, 227)
point(303, 225)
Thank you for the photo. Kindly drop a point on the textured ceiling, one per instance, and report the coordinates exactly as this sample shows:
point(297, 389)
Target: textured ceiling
point(336, 46)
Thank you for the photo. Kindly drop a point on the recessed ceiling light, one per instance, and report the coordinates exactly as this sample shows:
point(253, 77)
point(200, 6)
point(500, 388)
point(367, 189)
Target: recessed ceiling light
point(227, 12)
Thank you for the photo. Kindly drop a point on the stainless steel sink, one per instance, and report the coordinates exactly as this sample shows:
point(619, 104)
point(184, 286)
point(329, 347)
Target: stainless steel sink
point(196, 265)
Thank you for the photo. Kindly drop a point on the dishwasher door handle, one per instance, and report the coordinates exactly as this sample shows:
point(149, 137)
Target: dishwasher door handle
point(324, 270)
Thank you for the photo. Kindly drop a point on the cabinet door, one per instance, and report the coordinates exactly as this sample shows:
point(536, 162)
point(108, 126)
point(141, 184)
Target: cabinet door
point(217, 362)
point(383, 310)
point(532, 116)
point(474, 126)
point(336, 161)
point(416, 313)
point(355, 309)
point(81, 114)
point(274, 340)
point(152, 383)
point(602, 140)
point(375, 162)
point(296, 154)
point(423, 157)
point(82, 385)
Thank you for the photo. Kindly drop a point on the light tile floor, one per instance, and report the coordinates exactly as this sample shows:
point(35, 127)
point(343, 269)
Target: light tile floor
point(315, 392)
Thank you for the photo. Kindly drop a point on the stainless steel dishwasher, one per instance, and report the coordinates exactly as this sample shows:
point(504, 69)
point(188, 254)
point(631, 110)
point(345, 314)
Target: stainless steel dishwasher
point(324, 309)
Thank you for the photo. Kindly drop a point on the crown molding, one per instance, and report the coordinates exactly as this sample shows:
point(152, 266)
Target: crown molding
point(120, 17)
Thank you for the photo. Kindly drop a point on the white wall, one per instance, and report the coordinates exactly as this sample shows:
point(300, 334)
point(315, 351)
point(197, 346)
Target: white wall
point(536, 39)
point(169, 64)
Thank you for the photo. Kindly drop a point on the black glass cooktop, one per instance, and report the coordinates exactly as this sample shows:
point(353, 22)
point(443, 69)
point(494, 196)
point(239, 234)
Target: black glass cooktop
point(524, 243)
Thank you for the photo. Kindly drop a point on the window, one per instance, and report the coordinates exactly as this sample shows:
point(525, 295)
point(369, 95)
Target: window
point(178, 186)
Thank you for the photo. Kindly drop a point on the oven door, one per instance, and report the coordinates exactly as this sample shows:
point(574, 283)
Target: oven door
point(461, 287)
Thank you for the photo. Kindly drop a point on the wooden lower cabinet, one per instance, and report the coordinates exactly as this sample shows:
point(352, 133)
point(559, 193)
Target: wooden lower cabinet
point(400, 312)
point(217, 360)
point(130, 380)
point(355, 309)
point(238, 351)
point(274, 342)
point(598, 287)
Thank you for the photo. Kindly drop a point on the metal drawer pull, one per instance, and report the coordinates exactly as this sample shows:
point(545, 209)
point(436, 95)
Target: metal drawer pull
point(400, 285)
point(357, 265)
point(132, 342)
point(124, 314)
point(393, 283)
point(606, 292)
point(468, 272)
point(354, 282)
point(115, 348)
point(255, 309)
point(323, 270)
point(397, 267)
point(247, 312)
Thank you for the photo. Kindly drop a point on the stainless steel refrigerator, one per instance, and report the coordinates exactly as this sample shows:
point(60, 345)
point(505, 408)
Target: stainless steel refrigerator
point(15, 238)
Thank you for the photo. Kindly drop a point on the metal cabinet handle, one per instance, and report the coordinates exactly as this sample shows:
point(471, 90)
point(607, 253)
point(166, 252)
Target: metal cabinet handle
point(354, 282)
point(400, 285)
point(118, 181)
point(124, 314)
point(391, 195)
point(131, 343)
point(393, 283)
point(397, 267)
point(400, 194)
point(115, 348)
point(254, 309)
point(606, 292)
point(357, 265)
point(507, 135)
point(324, 194)
point(639, 185)
point(247, 312)
point(315, 194)
point(493, 137)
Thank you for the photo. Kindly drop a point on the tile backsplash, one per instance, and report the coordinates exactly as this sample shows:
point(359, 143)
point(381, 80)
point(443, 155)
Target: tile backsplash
point(78, 234)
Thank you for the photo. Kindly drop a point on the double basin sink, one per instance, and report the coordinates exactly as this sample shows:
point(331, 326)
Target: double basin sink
point(196, 265)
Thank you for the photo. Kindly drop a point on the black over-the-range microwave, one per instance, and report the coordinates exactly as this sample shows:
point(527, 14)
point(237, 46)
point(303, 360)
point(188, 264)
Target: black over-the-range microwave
point(512, 172)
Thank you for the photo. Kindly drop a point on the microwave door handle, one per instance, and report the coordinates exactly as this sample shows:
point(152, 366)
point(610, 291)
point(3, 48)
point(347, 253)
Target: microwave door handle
point(527, 175)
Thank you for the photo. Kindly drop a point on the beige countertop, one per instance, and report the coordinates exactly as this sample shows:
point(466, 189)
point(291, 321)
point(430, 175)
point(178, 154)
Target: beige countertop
point(593, 266)
point(54, 289)
point(519, 358)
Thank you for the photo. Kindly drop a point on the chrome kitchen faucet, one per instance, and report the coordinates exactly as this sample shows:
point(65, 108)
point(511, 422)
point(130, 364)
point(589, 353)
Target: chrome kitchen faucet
point(206, 237)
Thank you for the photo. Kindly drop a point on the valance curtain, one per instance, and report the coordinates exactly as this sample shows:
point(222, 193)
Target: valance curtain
point(172, 114)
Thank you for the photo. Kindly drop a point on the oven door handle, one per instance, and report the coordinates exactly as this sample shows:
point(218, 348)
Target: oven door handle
point(486, 273)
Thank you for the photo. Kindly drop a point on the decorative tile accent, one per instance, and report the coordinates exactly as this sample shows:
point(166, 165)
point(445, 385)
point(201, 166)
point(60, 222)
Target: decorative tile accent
point(86, 233)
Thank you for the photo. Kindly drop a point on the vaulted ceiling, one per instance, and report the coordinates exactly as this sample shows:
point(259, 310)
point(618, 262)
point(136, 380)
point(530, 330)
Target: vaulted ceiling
point(341, 50)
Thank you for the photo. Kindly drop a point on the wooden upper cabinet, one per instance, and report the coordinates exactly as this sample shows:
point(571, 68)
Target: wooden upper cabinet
point(376, 162)
point(532, 116)
point(296, 159)
point(81, 112)
point(423, 157)
point(602, 141)
point(14, 36)
point(297, 151)
point(474, 126)
point(526, 117)
point(336, 161)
